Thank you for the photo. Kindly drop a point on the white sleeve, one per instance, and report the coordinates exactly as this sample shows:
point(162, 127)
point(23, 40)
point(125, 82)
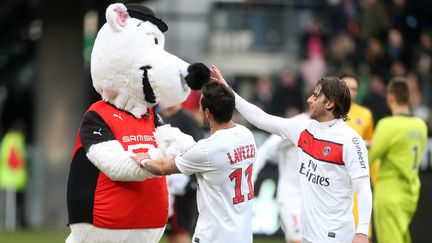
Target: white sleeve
point(110, 158)
point(265, 150)
point(286, 128)
point(355, 157)
point(364, 195)
point(194, 160)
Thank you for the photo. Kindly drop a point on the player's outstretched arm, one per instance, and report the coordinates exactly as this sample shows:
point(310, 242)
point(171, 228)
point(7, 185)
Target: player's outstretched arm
point(253, 114)
point(163, 166)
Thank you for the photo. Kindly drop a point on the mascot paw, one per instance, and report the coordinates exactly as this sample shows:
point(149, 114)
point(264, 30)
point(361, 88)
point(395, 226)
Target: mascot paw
point(155, 153)
point(171, 141)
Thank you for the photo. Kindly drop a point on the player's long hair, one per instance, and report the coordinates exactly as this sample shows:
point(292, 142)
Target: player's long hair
point(336, 90)
point(220, 101)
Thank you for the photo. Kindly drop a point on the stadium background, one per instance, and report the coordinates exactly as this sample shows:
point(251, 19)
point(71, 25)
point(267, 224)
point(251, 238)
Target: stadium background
point(45, 81)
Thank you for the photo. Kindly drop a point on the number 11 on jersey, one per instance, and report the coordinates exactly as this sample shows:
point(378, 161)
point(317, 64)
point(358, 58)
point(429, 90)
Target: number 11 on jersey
point(237, 177)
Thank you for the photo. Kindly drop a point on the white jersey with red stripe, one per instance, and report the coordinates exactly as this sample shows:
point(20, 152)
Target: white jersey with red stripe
point(223, 166)
point(331, 155)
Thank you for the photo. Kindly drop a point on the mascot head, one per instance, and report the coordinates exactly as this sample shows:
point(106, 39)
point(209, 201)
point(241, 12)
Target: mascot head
point(130, 68)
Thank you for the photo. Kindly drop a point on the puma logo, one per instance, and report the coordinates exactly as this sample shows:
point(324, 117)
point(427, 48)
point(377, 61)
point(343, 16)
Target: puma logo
point(98, 132)
point(118, 116)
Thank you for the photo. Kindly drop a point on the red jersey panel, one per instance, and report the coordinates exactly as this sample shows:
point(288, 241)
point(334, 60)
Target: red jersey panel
point(116, 204)
point(323, 150)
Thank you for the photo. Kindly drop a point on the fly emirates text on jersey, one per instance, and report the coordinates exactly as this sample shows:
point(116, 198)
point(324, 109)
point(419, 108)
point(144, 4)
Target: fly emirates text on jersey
point(310, 173)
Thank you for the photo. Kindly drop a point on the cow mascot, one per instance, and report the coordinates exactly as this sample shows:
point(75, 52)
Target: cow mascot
point(109, 197)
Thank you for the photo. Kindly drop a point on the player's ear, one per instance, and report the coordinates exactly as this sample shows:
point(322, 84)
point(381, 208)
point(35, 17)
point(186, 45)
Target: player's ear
point(330, 105)
point(207, 113)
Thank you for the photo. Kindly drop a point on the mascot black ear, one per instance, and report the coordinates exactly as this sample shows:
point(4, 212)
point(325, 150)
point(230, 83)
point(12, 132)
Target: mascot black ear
point(198, 75)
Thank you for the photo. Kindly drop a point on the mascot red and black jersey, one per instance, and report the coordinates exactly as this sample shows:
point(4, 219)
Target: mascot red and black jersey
point(92, 196)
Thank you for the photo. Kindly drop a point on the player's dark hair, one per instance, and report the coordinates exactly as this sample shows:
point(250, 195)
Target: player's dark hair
point(220, 101)
point(336, 90)
point(398, 87)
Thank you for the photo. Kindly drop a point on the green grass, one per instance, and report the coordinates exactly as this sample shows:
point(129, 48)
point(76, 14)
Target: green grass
point(57, 236)
point(40, 236)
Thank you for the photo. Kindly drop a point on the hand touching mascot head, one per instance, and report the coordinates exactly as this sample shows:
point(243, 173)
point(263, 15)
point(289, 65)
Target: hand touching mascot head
point(130, 68)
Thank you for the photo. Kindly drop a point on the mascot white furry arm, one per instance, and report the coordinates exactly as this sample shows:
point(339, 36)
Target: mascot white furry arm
point(109, 197)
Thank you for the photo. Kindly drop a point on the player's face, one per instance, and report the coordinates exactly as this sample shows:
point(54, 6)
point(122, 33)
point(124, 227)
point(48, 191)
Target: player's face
point(317, 104)
point(352, 86)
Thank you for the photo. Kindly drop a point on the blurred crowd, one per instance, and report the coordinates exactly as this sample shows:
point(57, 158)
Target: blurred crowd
point(374, 40)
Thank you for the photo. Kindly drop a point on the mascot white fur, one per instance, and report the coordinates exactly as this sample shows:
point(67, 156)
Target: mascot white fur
point(109, 197)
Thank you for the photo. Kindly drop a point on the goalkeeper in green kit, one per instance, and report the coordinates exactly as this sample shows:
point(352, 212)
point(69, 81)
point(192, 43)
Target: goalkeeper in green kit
point(398, 142)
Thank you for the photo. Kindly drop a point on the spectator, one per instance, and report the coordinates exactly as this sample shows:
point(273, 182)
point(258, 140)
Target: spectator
point(416, 98)
point(375, 99)
point(343, 53)
point(376, 58)
point(373, 20)
point(396, 49)
point(263, 94)
point(312, 52)
point(423, 64)
point(287, 99)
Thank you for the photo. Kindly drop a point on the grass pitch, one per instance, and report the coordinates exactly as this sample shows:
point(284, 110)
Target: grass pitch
point(58, 236)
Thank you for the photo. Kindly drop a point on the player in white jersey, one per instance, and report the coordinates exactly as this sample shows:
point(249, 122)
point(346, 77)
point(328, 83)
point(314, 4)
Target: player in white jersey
point(223, 166)
point(332, 162)
point(288, 189)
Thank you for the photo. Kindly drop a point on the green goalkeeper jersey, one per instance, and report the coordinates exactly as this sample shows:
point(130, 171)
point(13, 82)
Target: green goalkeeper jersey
point(399, 143)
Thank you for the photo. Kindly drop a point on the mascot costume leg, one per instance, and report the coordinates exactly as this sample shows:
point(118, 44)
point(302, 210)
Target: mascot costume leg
point(109, 197)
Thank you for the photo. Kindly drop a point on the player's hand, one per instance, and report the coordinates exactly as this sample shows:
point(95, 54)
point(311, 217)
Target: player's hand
point(138, 158)
point(216, 75)
point(360, 238)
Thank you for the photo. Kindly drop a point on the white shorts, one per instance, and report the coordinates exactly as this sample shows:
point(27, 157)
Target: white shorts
point(84, 233)
point(290, 220)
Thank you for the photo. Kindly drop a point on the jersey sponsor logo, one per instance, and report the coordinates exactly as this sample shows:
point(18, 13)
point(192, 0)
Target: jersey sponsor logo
point(331, 234)
point(118, 116)
point(98, 132)
point(323, 150)
point(356, 142)
point(311, 175)
point(241, 153)
point(138, 138)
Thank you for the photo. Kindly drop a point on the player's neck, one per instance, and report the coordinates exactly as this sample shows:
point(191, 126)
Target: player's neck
point(400, 110)
point(326, 117)
point(214, 126)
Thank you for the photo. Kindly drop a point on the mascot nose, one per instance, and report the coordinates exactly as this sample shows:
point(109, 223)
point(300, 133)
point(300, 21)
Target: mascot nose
point(198, 75)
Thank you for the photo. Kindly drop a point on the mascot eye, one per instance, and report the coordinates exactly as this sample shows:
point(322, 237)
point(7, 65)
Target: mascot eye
point(156, 41)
